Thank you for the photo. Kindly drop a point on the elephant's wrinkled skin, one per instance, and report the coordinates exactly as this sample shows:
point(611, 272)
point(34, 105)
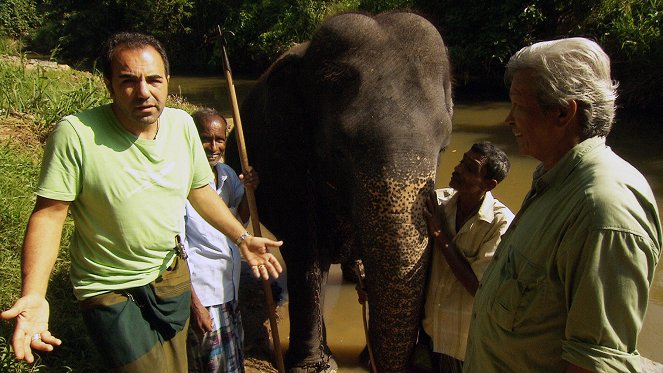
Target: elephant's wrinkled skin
point(346, 132)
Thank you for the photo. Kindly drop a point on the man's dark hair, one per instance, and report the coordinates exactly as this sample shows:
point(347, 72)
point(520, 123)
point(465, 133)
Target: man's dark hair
point(130, 40)
point(497, 163)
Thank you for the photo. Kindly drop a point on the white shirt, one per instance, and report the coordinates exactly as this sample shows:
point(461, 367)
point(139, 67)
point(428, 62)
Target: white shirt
point(448, 305)
point(214, 260)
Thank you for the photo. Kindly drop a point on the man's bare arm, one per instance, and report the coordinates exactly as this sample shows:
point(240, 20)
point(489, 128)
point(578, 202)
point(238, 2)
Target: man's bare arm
point(460, 267)
point(40, 250)
point(254, 249)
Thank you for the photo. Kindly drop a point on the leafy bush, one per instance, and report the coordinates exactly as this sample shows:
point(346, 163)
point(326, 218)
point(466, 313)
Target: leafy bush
point(263, 30)
point(18, 17)
point(9, 47)
point(80, 27)
point(633, 37)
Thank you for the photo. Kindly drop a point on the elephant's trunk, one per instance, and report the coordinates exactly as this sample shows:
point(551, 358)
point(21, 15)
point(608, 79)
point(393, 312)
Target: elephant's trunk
point(393, 243)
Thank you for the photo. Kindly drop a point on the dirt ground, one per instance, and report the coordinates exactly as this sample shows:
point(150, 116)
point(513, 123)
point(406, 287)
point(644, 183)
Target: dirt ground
point(14, 127)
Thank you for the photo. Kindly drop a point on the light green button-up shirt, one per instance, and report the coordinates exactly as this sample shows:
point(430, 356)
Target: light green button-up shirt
point(570, 279)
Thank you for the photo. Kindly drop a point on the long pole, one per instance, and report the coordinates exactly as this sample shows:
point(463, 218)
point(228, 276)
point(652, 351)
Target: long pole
point(360, 278)
point(250, 198)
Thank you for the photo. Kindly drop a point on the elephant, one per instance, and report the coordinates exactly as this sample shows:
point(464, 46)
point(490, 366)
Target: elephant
point(346, 131)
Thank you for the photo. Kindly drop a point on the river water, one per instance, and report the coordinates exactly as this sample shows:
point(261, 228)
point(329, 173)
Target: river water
point(639, 144)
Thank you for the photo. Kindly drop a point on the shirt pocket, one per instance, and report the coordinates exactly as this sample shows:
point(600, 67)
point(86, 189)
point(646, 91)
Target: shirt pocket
point(521, 294)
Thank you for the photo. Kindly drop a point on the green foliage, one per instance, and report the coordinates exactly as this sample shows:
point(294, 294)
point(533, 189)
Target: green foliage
point(481, 35)
point(377, 6)
point(36, 93)
point(179, 102)
point(82, 26)
point(264, 29)
point(19, 172)
point(9, 47)
point(631, 27)
point(631, 32)
point(9, 364)
point(17, 17)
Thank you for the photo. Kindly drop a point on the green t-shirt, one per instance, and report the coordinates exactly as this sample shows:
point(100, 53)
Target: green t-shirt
point(127, 194)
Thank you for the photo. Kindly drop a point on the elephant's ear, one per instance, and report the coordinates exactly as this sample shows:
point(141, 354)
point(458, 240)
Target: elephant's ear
point(285, 101)
point(273, 119)
point(270, 107)
point(286, 65)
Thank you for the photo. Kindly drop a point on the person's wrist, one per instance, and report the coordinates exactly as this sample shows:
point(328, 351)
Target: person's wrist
point(241, 238)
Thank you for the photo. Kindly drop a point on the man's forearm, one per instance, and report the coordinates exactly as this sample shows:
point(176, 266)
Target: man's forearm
point(42, 244)
point(243, 210)
point(460, 267)
point(212, 208)
point(254, 249)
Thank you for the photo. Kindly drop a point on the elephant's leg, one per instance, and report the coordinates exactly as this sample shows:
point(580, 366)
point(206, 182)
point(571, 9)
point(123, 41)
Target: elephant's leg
point(308, 351)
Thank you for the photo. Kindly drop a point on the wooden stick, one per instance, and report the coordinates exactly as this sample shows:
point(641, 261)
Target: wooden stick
point(250, 198)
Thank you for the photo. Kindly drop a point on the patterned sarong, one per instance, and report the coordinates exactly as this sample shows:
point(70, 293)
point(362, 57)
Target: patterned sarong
point(219, 351)
point(143, 329)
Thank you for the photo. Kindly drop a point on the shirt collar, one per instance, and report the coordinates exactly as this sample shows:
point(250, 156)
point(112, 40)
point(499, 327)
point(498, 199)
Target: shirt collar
point(221, 175)
point(486, 211)
point(543, 179)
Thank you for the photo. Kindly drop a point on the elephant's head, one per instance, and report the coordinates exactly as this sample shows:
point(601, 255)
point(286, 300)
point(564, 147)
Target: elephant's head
point(345, 132)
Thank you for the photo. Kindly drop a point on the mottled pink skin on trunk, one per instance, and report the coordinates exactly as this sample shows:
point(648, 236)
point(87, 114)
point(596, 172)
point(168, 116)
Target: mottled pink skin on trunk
point(394, 250)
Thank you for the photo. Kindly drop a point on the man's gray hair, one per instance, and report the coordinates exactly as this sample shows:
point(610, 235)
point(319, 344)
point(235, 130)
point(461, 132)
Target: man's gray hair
point(571, 69)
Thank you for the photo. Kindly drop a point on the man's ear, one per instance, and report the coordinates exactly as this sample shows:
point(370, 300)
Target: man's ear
point(489, 185)
point(567, 114)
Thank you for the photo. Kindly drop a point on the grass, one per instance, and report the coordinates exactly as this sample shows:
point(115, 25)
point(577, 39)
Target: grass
point(19, 171)
point(32, 100)
point(44, 95)
point(17, 174)
point(47, 94)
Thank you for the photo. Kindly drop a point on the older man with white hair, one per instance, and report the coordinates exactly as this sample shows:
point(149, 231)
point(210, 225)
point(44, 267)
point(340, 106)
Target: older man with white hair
point(569, 285)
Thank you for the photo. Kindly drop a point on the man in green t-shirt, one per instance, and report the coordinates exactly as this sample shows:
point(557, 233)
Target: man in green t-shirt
point(124, 171)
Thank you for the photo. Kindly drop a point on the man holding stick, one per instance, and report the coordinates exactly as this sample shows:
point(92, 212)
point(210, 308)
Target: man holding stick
point(216, 338)
point(124, 170)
